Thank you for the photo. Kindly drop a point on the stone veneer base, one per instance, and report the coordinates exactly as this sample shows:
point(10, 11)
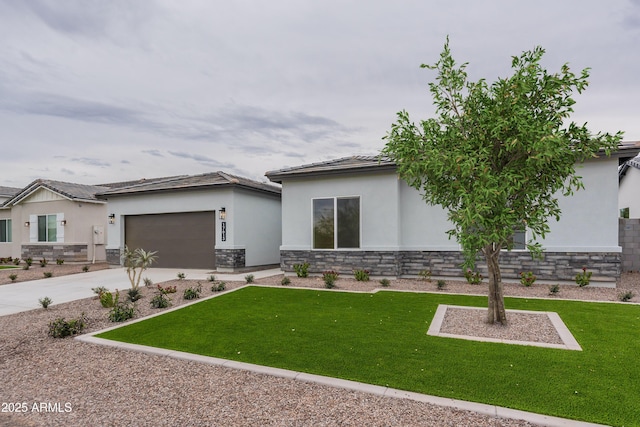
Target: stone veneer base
point(605, 266)
point(230, 259)
point(54, 251)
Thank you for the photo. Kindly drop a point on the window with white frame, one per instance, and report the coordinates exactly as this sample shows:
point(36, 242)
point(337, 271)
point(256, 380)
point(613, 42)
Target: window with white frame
point(47, 228)
point(336, 223)
point(5, 230)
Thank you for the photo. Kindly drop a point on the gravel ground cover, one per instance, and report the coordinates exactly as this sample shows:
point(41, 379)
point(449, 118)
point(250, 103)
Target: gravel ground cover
point(63, 382)
point(36, 272)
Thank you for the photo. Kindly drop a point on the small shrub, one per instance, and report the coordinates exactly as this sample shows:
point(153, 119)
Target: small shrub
point(554, 289)
point(181, 276)
point(625, 296)
point(13, 277)
point(330, 278)
point(285, 281)
point(47, 274)
point(425, 275)
point(385, 283)
point(45, 302)
point(99, 290)
point(16, 261)
point(122, 311)
point(361, 275)
point(59, 261)
point(133, 294)
point(527, 279)
point(218, 287)
point(441, 284)
point(249, 278)
point(43, 262)
point(108, 300)
point(473, 277)
point(211, 278)
point(192, 292)
point(584, 278)
point(85, 268)
point(29, 261)
point(160, 301)
point(302, 270)
point(25, 267)
point(147, 282)
point(167, 289)
point(60, 328)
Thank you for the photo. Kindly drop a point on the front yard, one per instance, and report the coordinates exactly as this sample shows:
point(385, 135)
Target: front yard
point(381, 339)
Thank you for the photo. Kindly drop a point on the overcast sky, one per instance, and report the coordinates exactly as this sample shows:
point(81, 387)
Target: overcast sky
point(104, 91)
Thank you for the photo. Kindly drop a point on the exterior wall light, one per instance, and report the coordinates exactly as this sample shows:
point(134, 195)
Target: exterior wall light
point(63, 222)
point(27, 223)
point(223, 214)
point(112, 218)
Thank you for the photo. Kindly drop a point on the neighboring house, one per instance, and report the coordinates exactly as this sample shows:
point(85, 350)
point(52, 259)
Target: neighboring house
point(6, 228)
point(54, 220)
point(355, 213)
point(629, 188)
point(210, 221)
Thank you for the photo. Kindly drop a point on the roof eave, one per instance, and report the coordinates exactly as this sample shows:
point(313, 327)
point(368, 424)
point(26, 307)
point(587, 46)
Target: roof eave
point(278, 177)
point(107, 194)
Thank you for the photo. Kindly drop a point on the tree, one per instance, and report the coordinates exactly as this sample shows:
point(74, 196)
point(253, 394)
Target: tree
point(136, 262)
point(496, 156)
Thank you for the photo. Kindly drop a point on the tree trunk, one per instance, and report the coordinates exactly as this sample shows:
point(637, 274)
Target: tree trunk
point(496, 311)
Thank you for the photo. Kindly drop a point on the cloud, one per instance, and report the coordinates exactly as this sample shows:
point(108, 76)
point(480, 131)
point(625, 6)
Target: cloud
point(202, 159)
point(156, 153)
point(67, 171)
point(91, 161)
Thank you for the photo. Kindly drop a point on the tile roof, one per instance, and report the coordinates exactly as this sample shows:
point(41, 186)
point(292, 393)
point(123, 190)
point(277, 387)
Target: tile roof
point(9, 191)
point(77, 192)
point(341, 165)
point(184, 182)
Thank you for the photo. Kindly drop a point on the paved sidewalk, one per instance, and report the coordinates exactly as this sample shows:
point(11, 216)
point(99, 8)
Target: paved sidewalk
point(23, 296)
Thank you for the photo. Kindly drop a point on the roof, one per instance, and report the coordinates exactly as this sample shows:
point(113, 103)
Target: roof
point(624, 167)
point(8, 191)
point(356, 164)
point(189, 182)
point(352, 164)
point(71, 191)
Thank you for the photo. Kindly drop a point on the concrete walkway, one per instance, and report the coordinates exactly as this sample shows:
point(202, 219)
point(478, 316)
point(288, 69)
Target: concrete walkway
point(23, 296)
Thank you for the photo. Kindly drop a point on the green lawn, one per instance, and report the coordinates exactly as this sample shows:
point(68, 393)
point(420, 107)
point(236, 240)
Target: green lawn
point(381, 339)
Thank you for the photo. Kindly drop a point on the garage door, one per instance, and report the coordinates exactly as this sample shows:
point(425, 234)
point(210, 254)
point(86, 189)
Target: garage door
point(183, 240)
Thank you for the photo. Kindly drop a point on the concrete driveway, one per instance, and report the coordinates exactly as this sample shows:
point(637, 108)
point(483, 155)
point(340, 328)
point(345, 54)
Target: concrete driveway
point(23, 296)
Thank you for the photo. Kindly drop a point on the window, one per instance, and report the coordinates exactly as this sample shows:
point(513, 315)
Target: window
point(47, 228)
point(518, 240)
point(5, 230)
point(336, 223)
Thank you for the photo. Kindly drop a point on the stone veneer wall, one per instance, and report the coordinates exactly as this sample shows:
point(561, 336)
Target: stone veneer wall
point(113, 256)
point(552, 266)
point(629, 240)
point(53, 251)
point(230, 258)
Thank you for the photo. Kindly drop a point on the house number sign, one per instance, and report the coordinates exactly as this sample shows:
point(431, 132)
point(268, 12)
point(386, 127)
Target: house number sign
point(224, 231)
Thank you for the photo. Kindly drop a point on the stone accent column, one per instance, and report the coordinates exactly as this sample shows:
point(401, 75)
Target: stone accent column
point(230, 259)
point(113, 256)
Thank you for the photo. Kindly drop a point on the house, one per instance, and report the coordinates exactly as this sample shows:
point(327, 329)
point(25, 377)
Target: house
point(54, 220)
point(629, 183)
point(209, 221)
point(5, 220)
point(355, 213)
